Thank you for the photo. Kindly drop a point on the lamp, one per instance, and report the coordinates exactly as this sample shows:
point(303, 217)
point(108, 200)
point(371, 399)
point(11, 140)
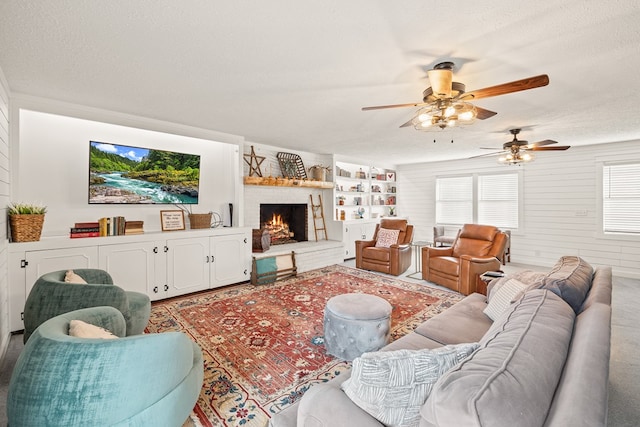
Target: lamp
point(444, 113)
point(515, 157)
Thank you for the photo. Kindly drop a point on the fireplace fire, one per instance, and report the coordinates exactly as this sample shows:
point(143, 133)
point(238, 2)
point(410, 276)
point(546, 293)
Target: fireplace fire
point(286, 223)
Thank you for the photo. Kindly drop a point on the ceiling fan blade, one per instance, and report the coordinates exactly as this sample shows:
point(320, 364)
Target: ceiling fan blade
point(541, 143)
point(556, 148)
point(409, 123)
point(482, 113)
point(488, 154)
point(382, 107)
point(503, 89)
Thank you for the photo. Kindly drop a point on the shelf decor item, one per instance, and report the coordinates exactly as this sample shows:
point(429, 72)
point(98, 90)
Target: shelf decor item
point(26, 221)
point(197, 221)
point(291, 165)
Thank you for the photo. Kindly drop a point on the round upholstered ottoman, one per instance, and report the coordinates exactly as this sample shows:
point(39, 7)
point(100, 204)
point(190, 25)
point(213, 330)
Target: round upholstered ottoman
point(355, 324)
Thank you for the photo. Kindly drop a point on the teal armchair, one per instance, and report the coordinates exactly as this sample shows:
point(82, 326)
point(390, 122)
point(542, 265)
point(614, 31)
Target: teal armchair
point(142, 380)
point(51, 296)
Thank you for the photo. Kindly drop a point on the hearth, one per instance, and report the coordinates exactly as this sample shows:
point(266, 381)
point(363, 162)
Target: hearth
point(285, 222)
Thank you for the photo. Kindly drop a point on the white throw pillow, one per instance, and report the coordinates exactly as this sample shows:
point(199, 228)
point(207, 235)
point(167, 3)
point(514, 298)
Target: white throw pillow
point(387, 237)
point(80, 329)
point(392, 385)
point(72, 277)
point(503, 297)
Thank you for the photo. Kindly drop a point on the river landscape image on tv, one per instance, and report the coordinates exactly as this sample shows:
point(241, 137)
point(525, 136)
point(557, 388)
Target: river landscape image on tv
point(134, 175)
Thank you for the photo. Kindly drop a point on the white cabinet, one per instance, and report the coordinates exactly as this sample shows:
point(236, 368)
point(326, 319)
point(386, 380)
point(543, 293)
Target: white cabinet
point(227, 263)
point(151, 263)
point(138, 266)
point(26, 267)
point(356, 230)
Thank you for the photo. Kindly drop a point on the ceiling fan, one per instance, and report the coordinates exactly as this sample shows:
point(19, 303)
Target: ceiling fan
point(516, 150)
point(446, 104)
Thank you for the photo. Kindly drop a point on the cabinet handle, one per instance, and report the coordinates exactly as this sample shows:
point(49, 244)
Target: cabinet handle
point(166, 249)
point(155, 250)
point(155, 289)
point(166, 287)
point(245, 240)
point(245, 271)
point(213, 258)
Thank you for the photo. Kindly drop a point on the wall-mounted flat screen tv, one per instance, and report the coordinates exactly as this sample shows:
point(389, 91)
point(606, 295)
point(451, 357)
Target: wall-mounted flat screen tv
point(135, 175)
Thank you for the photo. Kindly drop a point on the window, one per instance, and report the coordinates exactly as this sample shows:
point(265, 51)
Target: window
point(482, 199)
point(621, 198)
point(454, 200)
point(498, 200)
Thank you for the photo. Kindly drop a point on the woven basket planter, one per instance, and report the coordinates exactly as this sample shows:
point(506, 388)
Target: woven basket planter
point(200, 220)
point(26, 227)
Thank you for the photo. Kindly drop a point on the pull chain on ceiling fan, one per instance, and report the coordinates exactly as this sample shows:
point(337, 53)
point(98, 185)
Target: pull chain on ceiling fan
point(516, 151)
point(446, 104)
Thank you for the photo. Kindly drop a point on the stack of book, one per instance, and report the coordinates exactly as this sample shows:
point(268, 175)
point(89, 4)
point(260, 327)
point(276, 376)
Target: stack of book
point(85, 229)
point(133, 227)
point(112, 226)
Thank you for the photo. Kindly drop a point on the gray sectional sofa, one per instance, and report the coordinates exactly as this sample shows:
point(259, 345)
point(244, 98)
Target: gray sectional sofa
point(543, 361)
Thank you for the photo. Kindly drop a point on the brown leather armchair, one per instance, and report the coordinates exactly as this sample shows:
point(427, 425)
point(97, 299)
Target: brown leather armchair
point(475, 250)
point(395, 259)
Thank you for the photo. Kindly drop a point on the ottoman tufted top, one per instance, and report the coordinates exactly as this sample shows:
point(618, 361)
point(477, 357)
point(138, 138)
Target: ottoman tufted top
point(359, 307)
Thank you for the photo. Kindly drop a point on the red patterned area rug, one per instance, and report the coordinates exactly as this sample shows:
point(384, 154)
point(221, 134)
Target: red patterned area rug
point(263, 345)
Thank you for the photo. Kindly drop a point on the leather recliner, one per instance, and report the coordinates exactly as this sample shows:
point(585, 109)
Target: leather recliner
point(395, 259)
point(475, 250)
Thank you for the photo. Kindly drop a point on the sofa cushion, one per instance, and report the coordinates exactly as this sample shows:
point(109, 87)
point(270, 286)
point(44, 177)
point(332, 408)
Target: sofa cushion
point(502, 299)
point(464, 322)
point(393, 385)
point(570, 279)
point(386, 238)
point(521, 356)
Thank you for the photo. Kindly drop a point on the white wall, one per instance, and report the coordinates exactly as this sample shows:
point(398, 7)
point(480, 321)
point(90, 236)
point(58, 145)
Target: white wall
point(4, 200)
point(51, 166)
point(558, 188)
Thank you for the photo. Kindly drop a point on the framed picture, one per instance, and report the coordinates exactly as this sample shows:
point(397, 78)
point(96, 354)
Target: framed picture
point(172, 220)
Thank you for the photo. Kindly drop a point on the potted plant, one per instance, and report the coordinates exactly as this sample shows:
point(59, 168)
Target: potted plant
point(26, 220)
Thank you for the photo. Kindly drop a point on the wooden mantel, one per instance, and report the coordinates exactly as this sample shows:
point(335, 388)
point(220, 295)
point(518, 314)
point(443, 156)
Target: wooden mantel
point(286, 182)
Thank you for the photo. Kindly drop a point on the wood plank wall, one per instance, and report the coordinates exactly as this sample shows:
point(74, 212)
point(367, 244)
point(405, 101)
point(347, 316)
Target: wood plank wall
point(561, 197)
point(4, 200)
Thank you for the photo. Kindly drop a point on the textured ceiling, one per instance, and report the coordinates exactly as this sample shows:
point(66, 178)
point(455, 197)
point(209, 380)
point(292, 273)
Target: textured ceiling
point(295, 74)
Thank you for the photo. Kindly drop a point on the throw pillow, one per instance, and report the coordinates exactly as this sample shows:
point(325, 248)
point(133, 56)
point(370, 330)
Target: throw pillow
point(80, 329)
point(387, 237)
point(392, 385)
point(72, 277)
point(570, 279)
point(503, 297)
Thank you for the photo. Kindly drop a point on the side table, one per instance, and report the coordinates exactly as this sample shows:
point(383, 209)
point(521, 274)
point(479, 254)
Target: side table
point(483, 280)
point(416, 247)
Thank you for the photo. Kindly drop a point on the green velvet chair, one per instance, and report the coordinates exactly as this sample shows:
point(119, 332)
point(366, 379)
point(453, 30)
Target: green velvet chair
point(51, 296)
point(142, 380)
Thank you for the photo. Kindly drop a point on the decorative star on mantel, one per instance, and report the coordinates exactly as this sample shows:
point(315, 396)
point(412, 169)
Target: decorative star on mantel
point(251, 159)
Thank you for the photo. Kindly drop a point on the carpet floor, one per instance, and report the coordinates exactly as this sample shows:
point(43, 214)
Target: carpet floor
point(263, 345)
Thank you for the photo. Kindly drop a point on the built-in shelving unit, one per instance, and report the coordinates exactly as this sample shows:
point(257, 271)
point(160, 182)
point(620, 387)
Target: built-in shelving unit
point(363, 192)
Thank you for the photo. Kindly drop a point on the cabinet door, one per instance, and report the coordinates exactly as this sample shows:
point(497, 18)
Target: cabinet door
point(136, 266)
point(231, 257)
point(188, 263)
point(46, 261)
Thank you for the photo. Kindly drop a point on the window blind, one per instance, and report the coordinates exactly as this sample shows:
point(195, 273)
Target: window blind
point(621, 198)
point(498, 200)
point(454, 200)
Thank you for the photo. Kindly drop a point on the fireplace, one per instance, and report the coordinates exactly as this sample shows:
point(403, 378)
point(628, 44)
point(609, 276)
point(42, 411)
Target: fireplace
point(286, 222)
